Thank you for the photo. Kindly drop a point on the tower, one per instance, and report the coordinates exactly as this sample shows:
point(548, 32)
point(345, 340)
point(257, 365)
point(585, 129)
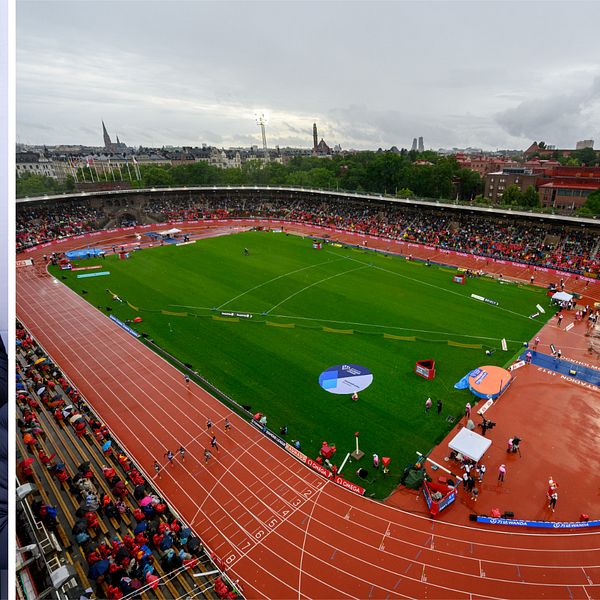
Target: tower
point(315, 137)
point(107, 142)
point(421, 148)
point(414, 145)
point(261, 122)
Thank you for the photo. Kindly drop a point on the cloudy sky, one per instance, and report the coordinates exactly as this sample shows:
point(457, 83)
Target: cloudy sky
point(371, 74)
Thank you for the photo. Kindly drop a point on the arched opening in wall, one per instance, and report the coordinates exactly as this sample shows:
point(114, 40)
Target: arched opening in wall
point(126, 219)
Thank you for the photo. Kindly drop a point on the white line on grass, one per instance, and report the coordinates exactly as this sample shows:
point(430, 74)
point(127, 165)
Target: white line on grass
point(437, 287)
point(316, 283)
point(275, 279)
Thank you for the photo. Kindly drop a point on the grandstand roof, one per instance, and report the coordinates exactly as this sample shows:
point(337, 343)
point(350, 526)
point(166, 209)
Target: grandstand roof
point(325, 193)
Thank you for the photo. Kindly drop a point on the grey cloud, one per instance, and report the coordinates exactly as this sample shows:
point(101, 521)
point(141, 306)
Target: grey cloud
point(555, 118)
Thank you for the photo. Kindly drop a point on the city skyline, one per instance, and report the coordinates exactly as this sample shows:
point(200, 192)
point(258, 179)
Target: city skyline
point(182, 73)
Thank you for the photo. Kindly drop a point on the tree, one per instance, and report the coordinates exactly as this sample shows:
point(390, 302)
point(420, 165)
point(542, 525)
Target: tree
point(530, 197)
point(592, 204)
point(586, 156)
point(405, 193)
point(470, 184)
point(512, 196)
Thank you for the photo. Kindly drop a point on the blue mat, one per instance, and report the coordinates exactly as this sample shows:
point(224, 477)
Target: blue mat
point(562, 366)
point(84, 253)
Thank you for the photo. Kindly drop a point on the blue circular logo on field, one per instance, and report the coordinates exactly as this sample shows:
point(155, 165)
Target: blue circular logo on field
point(345, 379)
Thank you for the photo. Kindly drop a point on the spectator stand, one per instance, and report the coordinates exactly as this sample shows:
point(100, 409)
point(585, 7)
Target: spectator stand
point(87, 466)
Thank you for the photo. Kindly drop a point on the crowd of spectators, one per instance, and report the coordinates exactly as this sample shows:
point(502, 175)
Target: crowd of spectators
point(498, 237)
point(43, 223)
point(155, 542)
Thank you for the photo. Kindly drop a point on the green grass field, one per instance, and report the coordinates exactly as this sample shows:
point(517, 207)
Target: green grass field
point(313, 309)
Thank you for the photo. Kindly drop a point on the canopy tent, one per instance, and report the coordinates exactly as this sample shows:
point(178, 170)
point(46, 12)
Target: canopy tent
point(562, 297)
point(169, 232)
point(470, 444)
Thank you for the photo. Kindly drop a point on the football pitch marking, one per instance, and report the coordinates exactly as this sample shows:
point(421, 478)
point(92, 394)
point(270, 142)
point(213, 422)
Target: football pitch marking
point(437, 287)
point(365, 266)
point(326, 262)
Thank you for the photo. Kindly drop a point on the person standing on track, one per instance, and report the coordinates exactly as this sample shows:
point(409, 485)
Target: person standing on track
point(536, 342)
point(182, 453)
point(501, 473)
point(187, 381)
point(227, 424)
point(207, 455)
point(213, 442)
point(553, 499)
point(169, 456)
point(157, 468)
point(468, 410)
point(208, 424)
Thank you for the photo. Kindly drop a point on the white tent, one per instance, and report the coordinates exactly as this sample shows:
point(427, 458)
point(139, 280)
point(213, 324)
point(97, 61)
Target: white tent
point(562, 297)
point(169, 232)
point(470, 444)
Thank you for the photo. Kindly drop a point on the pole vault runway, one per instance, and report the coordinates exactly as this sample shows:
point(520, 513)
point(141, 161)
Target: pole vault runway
point(280, 528)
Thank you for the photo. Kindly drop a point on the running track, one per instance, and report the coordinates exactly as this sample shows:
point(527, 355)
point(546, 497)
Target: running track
point(280, 528)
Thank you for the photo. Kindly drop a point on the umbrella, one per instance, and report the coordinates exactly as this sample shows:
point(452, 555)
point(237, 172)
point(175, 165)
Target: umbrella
point(139, 492)
point(41, 390)
point(80, 526)
point(140, 527)
point(193, 544)
point(98, 569)
point(106, 446)
point(39, 361)
point(145, 501)
point(166, 543)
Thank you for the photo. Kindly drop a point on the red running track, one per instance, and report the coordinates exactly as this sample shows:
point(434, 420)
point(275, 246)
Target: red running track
point(279, 527)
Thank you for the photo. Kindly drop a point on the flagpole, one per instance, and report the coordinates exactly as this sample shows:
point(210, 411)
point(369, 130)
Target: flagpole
point(128, 171)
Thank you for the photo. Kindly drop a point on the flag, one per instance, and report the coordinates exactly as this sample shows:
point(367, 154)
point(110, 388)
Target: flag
point(88, 165)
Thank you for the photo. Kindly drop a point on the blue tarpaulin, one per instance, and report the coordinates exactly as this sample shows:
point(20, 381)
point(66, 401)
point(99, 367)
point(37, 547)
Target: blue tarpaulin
point(463, 384)
point(83, 253)
point(564, 367)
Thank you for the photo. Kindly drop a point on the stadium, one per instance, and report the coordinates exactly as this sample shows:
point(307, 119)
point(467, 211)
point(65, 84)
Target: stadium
point(238, 378)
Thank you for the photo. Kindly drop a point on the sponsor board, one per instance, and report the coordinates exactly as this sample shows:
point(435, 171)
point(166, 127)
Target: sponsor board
point(24, 263)
point(320, 469)
point(540, 308)
point(544, 524)
point(295, 452)
point(185, 243)
point(476, 297)
point(484, 408)
point(353, 487)
point(269, 433)
point(517, 365)
point(124, 326)
point(345, 379)
point(237, 314)
point(86, 268)
point(83, 275)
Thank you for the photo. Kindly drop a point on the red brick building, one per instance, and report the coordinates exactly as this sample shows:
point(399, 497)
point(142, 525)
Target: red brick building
point(569, 187)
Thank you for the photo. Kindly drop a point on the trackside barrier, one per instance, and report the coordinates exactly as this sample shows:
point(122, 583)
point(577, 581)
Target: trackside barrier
point(305, 460)
point(124, 326)
point(543, 524)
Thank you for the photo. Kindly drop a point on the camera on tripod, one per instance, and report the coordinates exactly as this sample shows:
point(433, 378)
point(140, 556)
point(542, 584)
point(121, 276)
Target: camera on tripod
point(487, 424)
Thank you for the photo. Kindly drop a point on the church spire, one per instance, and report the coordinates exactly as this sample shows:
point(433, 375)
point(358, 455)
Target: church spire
point(107, 142)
